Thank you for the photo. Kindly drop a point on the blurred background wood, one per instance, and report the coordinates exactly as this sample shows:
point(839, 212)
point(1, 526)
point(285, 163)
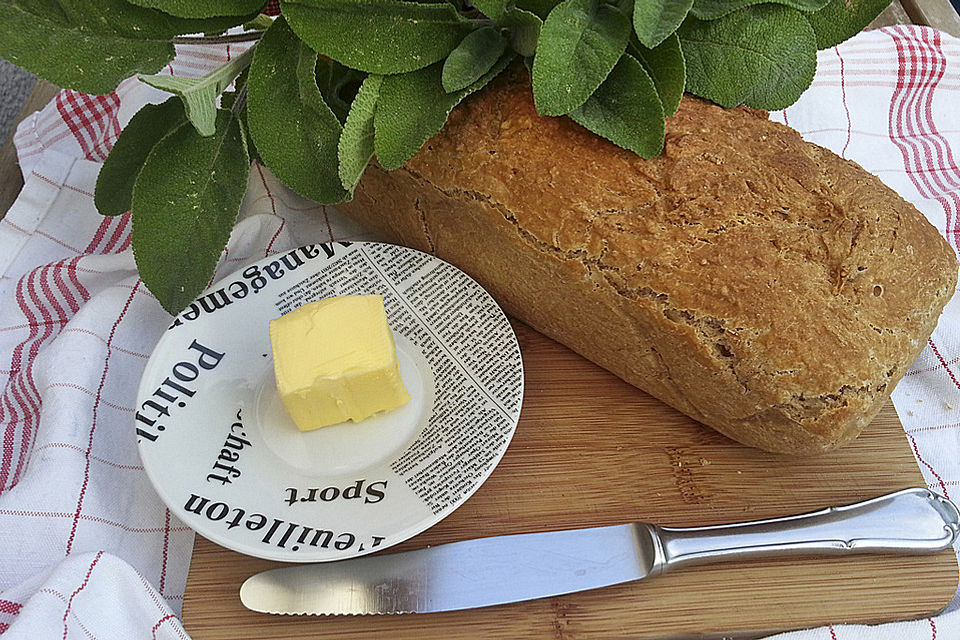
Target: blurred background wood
point(935, 13)
point(11, 181)
point(894, 14)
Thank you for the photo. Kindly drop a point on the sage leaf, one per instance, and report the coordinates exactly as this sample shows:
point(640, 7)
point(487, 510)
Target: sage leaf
point(665, 65)
point(356, 141)
point(200, 95)
point(378, 36)
point(523, 28)
point(626, 110)
point(185, 203)
point(260, 22)
point(294, 130)
point(654, 20)
point(491, 8)
point(713, 9)
point(472, 58)
point(114, 189)
point(580, 42)
point(91, 45)
point(40, 38)
point(840, 20)
point(203, 8)
point(123, 18)
point(762, 56)
point(413, 106)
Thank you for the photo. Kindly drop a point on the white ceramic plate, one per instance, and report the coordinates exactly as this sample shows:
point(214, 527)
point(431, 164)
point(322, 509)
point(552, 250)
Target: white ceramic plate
point(225, 457)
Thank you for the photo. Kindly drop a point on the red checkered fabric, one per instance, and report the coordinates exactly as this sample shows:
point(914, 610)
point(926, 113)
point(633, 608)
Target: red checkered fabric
point(887, 100)
point(89, 551)
point(82, 126)
point(92, 120)
point(79, 521)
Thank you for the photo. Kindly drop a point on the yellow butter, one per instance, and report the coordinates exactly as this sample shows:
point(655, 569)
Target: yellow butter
point(336, 360)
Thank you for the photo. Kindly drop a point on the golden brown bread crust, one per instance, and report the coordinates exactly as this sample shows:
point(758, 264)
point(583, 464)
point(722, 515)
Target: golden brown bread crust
point(756, 282)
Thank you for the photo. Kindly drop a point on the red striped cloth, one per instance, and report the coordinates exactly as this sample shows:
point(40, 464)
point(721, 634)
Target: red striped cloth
point(888, 100)
point(88, 551)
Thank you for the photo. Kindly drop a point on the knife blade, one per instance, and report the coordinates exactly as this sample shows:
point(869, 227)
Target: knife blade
point(502, 569)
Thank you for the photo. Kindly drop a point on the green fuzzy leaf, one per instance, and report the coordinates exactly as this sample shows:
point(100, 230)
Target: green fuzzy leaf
point(626, 110)
point(185, 203)
point(580, 42)
point(838, 21)
point(120, 17)
point(115, 181)
point(50, 45)
point(91, 45)
point(523, 28)
point(654, 20)
point(203, 8)
point(200, 95)
point(412, 107)
point(378, 36)
point(260, 22)
point(472, 58)
point(665, 65)
point(294, 130)
point(713, 9)
point(492, 8)
point(762, 56)
point(356, 142)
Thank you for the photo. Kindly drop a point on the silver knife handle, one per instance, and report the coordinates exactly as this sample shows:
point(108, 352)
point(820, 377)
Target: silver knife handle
point(908, 521)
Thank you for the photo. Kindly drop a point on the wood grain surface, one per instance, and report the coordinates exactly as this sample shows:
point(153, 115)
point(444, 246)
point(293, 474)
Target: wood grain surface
point(935, 13)
point(592, 450)
point(11, 181)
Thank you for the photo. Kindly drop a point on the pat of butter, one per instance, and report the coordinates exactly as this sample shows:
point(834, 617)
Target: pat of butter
point(336, 360)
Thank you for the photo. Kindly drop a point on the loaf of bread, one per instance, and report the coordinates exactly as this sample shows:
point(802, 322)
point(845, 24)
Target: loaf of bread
point(756, 282)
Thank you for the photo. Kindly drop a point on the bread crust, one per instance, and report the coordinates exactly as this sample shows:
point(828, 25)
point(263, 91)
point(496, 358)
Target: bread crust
point(756, 282)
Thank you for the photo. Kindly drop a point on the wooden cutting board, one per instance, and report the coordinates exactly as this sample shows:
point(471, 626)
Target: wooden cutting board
point(592, 450)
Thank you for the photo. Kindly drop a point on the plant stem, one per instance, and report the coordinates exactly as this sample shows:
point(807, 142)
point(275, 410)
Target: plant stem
point(228, 39)
point(241, 100)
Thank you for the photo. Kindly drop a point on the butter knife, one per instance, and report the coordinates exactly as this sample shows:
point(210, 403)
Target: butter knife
point(497, 570)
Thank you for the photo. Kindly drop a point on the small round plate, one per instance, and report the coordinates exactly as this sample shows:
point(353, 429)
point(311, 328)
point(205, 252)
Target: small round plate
point(226, 458)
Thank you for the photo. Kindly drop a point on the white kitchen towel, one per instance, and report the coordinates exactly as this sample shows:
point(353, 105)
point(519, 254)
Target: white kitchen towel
point(888, 100)
point(87, 550)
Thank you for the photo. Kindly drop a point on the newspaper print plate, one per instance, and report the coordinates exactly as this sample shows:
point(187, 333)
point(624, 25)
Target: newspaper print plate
point(224, 456)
